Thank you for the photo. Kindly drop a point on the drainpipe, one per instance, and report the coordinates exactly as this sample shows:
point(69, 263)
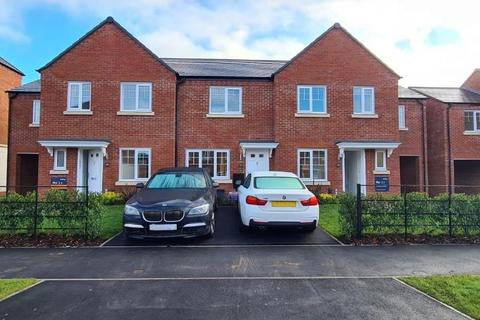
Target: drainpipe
point(450, 180)
point(10, 97)
point(425, 144)
point(177, 86)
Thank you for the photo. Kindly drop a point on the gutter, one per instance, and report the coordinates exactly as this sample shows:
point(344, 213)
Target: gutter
point(177, 86)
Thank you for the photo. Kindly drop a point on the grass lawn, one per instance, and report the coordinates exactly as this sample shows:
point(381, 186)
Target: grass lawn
point(329, 219)
point(460, 292)
point(9, 286)
point(112, 221)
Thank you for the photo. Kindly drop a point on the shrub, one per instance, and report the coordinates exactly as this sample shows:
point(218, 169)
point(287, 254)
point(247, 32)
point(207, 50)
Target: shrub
point(347, 213)
point(327, 198)
point(111, 197)
point(17, 213)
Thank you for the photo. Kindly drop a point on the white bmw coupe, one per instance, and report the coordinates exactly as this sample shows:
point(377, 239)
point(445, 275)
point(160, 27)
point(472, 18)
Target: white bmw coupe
point(275, 198)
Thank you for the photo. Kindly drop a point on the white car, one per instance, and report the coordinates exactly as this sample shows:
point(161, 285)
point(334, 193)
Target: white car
point(275, 198)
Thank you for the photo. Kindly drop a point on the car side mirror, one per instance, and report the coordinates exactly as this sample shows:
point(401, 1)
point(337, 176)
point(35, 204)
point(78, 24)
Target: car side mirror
point(140, 185)
point(215, 184)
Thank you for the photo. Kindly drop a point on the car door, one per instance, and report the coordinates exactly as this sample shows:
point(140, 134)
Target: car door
point(243, 192)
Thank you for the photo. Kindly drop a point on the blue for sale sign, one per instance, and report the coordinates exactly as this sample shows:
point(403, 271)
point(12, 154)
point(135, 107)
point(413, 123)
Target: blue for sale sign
point(382, 184)
point(58, 181)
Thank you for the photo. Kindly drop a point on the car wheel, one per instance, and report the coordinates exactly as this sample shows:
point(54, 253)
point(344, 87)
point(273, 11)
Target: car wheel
point(212, 227)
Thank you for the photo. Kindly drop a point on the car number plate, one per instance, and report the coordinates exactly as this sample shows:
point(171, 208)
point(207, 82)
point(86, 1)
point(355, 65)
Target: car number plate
point(163, 227)
point(291, 204)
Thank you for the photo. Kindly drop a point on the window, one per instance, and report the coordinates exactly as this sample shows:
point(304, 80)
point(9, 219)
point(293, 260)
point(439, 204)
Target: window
point(402, 121)
point(278, 183)
point(60, 159)
point(135, 164)
point(312, 164)
point(79, 96)
point(36, 112)
point(246, 182)
point(380, 160)
point(216, 162)
point(177, 180)
point(311, 99)
point(472, 120)
point(363, 100)
point(226, 100)
point(136, 97)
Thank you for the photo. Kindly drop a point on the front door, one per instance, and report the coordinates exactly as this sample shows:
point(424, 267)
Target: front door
point(95, 170)
point(256, 160)
point(354, 170)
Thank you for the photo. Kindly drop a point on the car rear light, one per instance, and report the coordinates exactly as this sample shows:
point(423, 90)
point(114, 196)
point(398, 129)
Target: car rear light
point(313, 201)
point(255, 201)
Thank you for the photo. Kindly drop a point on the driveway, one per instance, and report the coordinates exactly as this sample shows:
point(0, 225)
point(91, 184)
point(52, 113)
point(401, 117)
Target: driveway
point(228, 233)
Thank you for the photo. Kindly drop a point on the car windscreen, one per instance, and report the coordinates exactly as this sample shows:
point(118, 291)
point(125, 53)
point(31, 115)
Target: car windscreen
point(278, 183)
point(177, 180)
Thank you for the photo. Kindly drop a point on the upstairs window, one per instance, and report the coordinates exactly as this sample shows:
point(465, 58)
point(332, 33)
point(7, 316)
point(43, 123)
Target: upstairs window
point(136, 97)
point(472, 121)
point(225, 100)
point(402, 121)
point(79, 96)
point(363, 100)
point(216, 162)
point(36, 113)
point(60, 159)
point(311, 99)
point(312, 164)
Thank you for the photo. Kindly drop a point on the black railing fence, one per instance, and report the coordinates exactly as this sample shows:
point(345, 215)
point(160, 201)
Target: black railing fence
point(32, 210)
point(455, 212)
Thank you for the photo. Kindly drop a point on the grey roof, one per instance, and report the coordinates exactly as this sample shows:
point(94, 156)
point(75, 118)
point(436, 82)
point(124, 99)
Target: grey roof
point(33, 86)
point(10, 66)
point(449, 95)
point(405, 93)
point(218, 68)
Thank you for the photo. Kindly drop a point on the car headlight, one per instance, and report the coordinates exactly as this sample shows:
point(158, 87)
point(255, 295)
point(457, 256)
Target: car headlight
point(199, 210)
point(131, 211)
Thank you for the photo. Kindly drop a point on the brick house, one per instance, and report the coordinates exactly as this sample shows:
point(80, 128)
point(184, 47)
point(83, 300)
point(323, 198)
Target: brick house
point(453, 127)
point(10, 77)
point(112, 113)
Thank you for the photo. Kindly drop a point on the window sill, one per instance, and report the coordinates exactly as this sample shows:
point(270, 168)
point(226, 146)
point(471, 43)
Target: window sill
point(379, 172)
point(58, 171)
point(223, 181)
point(471, 133)
point(34, 125)
point(134, 113)
point(78, 113)
point(365, 116)
point(403, 129)
point(316, 182)
point(214, 115)
point(129, 183)
point(312, 115)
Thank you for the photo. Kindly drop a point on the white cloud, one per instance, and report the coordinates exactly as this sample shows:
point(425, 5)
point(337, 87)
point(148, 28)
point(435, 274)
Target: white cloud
point(278, 29)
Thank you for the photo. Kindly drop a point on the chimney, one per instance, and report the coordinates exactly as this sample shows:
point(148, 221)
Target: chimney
point(473, 82)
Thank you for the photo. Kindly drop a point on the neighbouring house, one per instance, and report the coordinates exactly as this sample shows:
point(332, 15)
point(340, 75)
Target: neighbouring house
point(453, 130)
point(107, 113)
point(10, 77)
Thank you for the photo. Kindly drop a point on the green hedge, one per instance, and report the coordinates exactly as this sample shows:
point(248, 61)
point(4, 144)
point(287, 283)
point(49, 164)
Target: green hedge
point(58, 211)
point(422, 214)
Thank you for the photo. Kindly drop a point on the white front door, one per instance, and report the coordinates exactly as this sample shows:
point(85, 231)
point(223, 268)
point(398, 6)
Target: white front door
point(256, 160)
point(354, 170)
point(95, 170)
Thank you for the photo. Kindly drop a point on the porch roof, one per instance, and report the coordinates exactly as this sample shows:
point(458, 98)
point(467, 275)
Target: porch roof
point(367, 144)
point(50, 144)
point(258, 144)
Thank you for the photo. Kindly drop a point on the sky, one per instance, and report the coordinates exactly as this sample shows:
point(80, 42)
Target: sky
point(428, 43)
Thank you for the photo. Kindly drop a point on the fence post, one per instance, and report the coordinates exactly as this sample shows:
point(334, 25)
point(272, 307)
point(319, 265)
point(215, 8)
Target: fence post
point(35, 214)
point(359, 211)
point(405, 212)
point(450, 210)
point(86, 212)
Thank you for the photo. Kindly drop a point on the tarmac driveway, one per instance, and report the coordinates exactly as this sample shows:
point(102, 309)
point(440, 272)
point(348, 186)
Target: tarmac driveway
point(227, 233)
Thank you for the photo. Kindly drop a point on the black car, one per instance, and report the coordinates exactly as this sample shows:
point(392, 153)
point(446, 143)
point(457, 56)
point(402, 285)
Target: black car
point(177, 202)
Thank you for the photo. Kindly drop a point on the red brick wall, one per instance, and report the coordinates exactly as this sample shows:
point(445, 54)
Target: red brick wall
point(473, 82)
point(412, 139)
point(23, 139)
point(8, 80)
point(106, 58)
point(339, 63)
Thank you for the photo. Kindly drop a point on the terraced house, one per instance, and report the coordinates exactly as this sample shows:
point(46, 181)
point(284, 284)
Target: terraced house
point(107, 112)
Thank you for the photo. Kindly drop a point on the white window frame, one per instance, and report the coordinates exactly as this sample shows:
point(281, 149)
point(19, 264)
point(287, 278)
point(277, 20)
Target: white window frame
point(475, 126)
point(311, 164)
point(215, 176)
point(80, 94)
point(135, 164)
point(55, 158)
point(363, 88)
point(225, 106)
point(384, 156)
point(402, 117)
point(36, 107)
point(311, 99)
point(137, 85)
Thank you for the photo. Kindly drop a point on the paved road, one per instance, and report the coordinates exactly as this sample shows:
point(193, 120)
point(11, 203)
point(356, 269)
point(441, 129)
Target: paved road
point(228, 233)
point(224, 299)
